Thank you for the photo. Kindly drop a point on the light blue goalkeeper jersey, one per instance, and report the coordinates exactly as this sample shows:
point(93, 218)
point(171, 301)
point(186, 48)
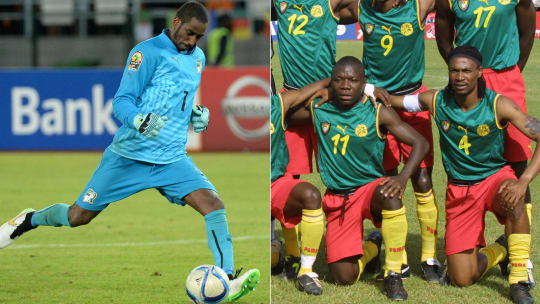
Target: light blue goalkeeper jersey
point(157, 79)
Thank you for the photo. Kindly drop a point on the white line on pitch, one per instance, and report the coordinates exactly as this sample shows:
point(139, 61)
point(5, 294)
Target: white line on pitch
point(129, 244)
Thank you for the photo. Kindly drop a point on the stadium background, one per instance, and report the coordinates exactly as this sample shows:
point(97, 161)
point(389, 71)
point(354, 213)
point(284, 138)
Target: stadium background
point(493, 288)
point(60, 65)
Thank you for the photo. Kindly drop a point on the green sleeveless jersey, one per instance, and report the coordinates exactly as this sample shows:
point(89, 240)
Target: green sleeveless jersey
point(306, 40)
point(350, 145)
point(472, 142)
point(279, 154)
point(491, 27)
point(393, 45)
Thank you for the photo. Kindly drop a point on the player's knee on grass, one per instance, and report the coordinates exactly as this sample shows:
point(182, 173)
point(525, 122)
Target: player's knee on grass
point(78, 216)
point(345, 271)
point(463, 268)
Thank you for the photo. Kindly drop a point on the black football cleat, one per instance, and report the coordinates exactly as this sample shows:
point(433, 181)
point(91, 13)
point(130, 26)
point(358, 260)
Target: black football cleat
point(405, 273)
point(431, 269)
point(393, 287)
point(309, 283)
point(519, 293)
point(291, 267)
point(505, 271)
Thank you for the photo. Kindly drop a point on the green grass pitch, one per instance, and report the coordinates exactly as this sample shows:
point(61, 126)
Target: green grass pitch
point(138, 250)
point(492, 288)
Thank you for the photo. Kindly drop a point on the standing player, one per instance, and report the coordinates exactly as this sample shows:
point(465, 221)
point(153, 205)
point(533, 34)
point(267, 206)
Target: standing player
point(307, 51)
point(154, 104)
point(351, 143)
point(394, 59)
point(472, 122)
point(295, 201)
point(503, 32)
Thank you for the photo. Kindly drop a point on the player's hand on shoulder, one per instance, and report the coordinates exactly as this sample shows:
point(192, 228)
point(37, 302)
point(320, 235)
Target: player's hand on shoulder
point(393, 186)
point(149, 124)
point(375, 93)
point(323, 94)
point(200, 117)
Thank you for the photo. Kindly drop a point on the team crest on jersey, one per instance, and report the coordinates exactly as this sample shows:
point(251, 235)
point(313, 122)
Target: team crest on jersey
point(198, 66)
point(445, 126)
point(135, 61)
point(406, 29)
point(283, 7)
point(482, 130)
point(504, 2)
point(361, 130)
point(317, 11)
point(272, 128)
point(89, 196)
point(369, 28)
point(463, 4)
point(325, 127)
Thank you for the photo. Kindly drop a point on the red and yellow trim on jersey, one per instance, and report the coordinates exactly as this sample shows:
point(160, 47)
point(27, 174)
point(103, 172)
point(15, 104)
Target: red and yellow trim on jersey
point(313, 117)
point(434, 103)
point(358, 11)
point(331, 10)
point(379, 133)
point(450, 4)
point(420, 23)
point(282, 112)
point(495, 113)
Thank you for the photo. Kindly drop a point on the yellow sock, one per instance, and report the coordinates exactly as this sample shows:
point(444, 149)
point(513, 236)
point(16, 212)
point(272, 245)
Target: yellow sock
point(426, 209)
point(404, 257)
point(291, 241)
point(370, 251)
point(311, 227)
point(519, 246)
point(494, 253)
point(394, 231)
point(529, 212)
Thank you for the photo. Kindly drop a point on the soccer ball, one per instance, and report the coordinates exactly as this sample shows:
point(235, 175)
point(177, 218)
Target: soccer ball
point(207, 284)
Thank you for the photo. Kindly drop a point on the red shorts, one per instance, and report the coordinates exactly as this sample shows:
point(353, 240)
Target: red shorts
point(279, 194)
point(466, 207)
point(344, 234)
point(395, 152)
point(509, 82)
point(301, 142)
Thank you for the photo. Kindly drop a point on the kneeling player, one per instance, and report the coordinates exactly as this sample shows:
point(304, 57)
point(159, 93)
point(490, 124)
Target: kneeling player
point(295, 201)
point(472, 122)
point(350, 150)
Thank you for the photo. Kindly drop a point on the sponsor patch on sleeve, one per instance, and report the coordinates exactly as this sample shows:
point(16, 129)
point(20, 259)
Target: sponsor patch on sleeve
point(135, 61)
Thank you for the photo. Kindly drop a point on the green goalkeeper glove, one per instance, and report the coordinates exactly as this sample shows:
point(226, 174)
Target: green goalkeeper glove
point(200, 117)
point(149, 124)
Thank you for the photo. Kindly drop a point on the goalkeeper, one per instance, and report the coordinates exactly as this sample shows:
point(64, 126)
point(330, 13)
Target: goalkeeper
point(154, 103)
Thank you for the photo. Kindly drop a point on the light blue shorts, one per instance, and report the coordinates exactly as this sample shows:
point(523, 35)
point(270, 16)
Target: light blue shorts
point(117, 177)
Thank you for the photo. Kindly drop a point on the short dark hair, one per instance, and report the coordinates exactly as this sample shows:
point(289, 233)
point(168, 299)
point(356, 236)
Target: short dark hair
point(349, 60)
point(472, 53)
point(190, 10)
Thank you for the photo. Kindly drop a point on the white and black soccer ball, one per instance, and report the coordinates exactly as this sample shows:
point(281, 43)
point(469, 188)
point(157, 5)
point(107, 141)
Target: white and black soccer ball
point(207, 284)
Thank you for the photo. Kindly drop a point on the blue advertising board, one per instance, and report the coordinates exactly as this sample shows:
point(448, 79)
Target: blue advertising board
point(58, 109)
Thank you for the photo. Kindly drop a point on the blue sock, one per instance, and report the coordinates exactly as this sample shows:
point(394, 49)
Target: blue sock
point(219, 240)
point(54, 215)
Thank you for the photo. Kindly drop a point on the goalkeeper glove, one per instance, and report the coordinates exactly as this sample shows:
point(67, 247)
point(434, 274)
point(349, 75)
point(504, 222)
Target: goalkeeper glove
point(149, 124)
point(200, 117)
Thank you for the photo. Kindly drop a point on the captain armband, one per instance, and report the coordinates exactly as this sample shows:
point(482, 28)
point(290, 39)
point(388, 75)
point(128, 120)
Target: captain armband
point(411, 103)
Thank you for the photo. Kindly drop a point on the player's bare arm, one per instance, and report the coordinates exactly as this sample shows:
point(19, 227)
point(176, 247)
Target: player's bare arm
point(526, 23)
point(409, 103)
point(346, 10)
point(390, 121)
point(444, 27)
point(508, 111)
point(295, 98)
point(426, 7)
